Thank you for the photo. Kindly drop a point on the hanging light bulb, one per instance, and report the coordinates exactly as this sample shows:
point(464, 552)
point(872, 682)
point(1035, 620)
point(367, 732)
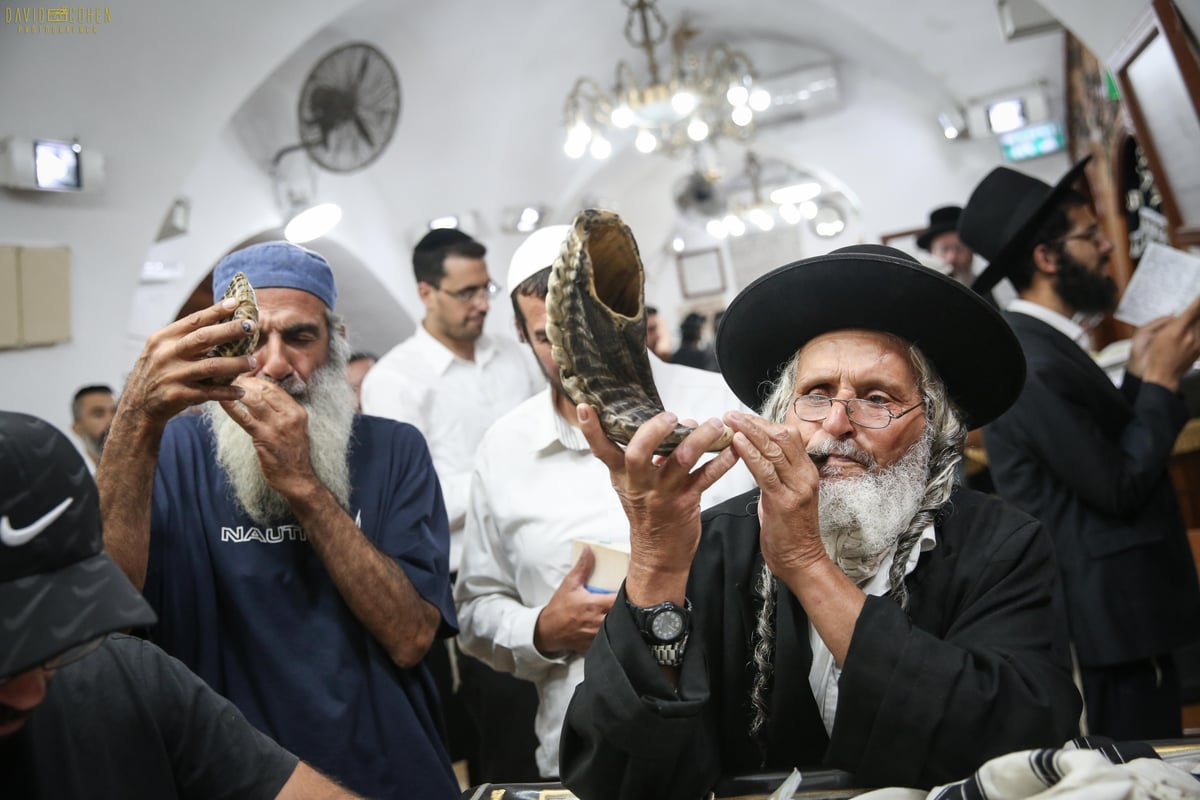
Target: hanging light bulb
point(645, 141)
point(737, 95)
point(742, 116)
point(716, 229)
point(622, 116)
point(577, 140)
point(790, 214)
point(684, 102)
point(600, 148)
point(761, 219)
point(760, 99)
point(734, 225)
point(697, 130)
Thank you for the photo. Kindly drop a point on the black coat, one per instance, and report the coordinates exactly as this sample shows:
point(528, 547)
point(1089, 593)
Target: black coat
point(1090, 461)
point(977, 667)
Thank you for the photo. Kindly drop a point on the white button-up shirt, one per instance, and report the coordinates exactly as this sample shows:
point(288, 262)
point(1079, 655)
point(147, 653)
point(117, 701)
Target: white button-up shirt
point(536, 488)
point(452, 402)
point(824, 674)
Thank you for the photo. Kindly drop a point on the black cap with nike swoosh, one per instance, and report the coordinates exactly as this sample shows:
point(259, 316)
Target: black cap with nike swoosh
point(58, 588)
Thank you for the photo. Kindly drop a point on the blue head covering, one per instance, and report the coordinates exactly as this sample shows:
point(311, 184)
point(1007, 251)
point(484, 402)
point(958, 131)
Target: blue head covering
point(278, 264)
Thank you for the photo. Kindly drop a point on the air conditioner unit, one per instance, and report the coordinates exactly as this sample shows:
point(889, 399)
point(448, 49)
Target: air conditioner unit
point(1019, 18)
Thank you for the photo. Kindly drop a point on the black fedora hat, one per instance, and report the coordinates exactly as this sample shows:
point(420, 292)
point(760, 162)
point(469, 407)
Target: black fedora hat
point(941, 220)
point(1004, 212)
point(879, 288)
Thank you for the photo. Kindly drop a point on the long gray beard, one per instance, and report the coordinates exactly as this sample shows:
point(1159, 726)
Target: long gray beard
point(861, 517)
point(330, 405)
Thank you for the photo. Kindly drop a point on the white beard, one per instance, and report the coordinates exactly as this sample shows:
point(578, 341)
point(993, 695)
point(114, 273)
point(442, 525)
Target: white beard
point(861, 517)
point(329, 401)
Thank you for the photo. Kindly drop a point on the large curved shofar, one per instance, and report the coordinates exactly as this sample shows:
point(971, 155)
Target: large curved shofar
point(596, 323)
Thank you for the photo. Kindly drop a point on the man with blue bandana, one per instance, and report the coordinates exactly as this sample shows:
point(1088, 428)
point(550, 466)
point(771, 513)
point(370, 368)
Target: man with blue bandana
point(296, 553)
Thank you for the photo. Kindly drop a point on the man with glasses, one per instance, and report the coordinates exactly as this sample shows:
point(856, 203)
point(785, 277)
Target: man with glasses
point(84, 711)
point(858, 610)
point(452, 381)
point(1090, 459)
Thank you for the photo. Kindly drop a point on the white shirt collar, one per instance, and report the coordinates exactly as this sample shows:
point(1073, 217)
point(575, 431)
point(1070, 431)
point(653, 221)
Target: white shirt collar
point(1067, 327)
point(881, 582)
point(442, 357)
point(550, 429)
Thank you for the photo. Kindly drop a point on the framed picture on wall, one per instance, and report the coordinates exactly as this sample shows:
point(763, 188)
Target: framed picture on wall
point(701, 273)
point(1159, 75)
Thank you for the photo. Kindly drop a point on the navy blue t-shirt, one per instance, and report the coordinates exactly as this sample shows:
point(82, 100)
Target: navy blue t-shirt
point(252, 610)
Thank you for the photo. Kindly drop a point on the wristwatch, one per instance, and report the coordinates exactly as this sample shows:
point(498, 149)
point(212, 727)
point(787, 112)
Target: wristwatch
point(665, 627)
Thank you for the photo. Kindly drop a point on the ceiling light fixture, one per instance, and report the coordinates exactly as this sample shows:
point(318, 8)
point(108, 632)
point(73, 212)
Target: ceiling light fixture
point(312, 223)
point(763, 208)
point(704, 96)
point(296, 195)
point(953, 124)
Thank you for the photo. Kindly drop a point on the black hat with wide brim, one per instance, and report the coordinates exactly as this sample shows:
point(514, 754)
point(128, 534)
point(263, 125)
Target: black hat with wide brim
point(941, 220)
point(872, 287)
point(1004, 212)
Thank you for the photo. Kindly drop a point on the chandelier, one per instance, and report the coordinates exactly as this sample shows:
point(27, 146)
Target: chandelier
point(704, 96)
point(767, 194)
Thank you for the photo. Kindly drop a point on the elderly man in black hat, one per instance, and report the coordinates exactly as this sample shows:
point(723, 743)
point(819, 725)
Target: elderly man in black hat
point(857, 610)
point(1090, 459)
point(941, 240)
point(85, 711)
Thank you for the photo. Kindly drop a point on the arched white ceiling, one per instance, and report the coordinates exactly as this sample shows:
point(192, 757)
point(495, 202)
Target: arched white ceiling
point(483, 85)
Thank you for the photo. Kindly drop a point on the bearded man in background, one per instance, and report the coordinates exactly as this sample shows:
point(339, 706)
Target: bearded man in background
point(857, 610)
point(1088, 458)
point(296, 553)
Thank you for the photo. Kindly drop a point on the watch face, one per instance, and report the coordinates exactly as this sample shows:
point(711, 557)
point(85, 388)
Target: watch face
point(667, 626)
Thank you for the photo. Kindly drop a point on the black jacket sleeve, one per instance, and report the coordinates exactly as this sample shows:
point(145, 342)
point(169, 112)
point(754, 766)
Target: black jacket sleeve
point(628, 733)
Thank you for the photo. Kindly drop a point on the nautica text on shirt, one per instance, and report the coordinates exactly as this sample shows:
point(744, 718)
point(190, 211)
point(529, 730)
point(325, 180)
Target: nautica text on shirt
point(275, 535)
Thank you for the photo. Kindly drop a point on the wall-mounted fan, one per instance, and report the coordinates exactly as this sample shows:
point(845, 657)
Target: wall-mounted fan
point(699, 194)
point(348, 108)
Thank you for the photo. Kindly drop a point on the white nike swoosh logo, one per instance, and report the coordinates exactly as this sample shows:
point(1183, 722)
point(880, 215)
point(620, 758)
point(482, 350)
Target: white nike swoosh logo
point(15, 537)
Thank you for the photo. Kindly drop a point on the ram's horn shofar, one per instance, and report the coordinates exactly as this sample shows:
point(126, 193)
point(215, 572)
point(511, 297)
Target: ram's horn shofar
point(247, 308)
point(596, 322)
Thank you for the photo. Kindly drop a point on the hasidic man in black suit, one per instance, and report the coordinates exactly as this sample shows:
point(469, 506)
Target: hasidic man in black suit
point(857, 609)
point(1090, 459)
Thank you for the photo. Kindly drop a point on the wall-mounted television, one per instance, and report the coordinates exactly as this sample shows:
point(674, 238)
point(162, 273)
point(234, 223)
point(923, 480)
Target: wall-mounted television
point(56, 165)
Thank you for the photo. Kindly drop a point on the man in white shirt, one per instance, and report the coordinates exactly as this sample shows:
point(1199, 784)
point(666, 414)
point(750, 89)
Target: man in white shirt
point(450, 379)
point(536, 489)
point(1089, 459)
